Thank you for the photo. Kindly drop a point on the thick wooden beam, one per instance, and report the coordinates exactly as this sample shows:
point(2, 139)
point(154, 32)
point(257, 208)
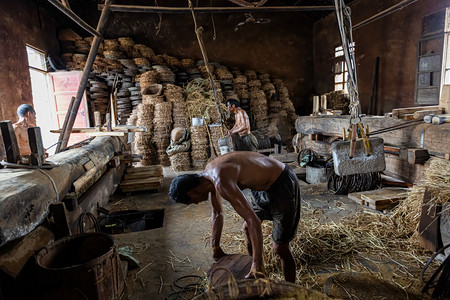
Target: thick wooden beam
point(168, 10)
point(27, 193)
point(37, 148)
point(70, 116)
point(68, 12)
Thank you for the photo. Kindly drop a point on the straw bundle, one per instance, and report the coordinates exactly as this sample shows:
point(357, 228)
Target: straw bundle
point(216, 131)
point(258, 105)
point(152, 99)
point(180, 161)
point(143, 143)
point(114, 55)
point(161, 132)
point(171, 61)
point(141, 62)
point(269, 89)
point(144, 51)
point(264, 77)
point(198, 100)
point(240, 79)
point(153, 89)
point(110, 45)
point(254, 84)
point(159, 60)
point(339, 100)
point(204, 71)
point(200, 146)
point(147, 79)
point(174, 93)
point(187, 63)
point(165, 75)
point(251, 74)
point(179, 115)
point(223, 73)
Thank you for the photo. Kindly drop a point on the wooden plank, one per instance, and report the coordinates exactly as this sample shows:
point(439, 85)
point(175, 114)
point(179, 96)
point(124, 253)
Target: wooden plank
point(105, 133)
point(141, 181)
point(10, 142)
point(37, 148)
point(400, 112)
point(356, 197)
point(89, 165)
point(422, 113)
point(429, 224)
point(92, 129)
point(385, 195)
point(140, 175)
point(156, 170)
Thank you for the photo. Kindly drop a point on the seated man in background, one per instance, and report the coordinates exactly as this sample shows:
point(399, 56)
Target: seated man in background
point(27, 118)
point(244, 139)
point(276, 197)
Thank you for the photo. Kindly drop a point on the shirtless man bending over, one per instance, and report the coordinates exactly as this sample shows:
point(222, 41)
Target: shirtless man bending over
point(246, 141)
point(276, 197)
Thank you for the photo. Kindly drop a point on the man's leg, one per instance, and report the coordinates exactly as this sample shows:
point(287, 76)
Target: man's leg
point(287, 260)
point(248, 242)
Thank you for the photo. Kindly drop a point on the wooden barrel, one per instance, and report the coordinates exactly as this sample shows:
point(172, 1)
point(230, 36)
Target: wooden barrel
point(86, 264)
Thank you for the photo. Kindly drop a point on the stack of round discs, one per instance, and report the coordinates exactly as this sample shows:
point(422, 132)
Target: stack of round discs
point(180, 161)
point(194, 73)
point(227, 85)
point(287, 104)
point(130, 67)
point(200, 146)
point(82, 46)
point(143, 140)
point(148, 78)
point(124, 106)
point(251, 74)
point(223, 73)
point(162, 126)
point(258, 104)
point(165, 75)
point(99, 95)
point(135, 99)
point(144, 51)
point(181, 77)
point(174, 94)
point(216, 134)
point(187, 63)
point(171, 61)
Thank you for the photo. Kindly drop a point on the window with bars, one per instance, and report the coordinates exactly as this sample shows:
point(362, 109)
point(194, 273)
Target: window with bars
point(340, 69)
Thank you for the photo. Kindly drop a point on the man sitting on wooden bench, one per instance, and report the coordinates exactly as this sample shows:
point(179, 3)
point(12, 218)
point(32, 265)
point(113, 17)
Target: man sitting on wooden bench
point(276, 197)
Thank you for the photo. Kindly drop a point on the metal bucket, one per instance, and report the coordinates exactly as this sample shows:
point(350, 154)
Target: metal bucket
point(87, 264)
point(225, 144)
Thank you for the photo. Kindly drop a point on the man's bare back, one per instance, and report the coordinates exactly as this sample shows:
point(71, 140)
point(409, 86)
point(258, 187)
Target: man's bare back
point(247, 169)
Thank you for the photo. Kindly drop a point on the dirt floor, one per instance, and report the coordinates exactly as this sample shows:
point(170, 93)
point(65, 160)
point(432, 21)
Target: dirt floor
point(179, 253)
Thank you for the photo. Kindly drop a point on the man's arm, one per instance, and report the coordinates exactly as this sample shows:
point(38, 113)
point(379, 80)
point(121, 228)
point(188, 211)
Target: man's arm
point(217, 225)
point(229, 190)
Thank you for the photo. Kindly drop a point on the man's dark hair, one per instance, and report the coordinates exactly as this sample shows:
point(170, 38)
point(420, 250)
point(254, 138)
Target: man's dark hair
point(181, 185)
point(234, 102)
point(23, 109)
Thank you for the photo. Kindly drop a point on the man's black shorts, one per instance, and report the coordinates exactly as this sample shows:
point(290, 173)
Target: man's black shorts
point(280, 204)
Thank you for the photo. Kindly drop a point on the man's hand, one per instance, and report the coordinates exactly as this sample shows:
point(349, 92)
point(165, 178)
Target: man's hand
point(218, 253)
point(255, 271)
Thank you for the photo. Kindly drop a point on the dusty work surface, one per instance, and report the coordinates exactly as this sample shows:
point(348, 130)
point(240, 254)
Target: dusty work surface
point(179, 253)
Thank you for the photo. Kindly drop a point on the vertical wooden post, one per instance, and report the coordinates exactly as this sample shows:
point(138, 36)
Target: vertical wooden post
point(64, 136)
point(108, 122)
point(10, 142)
point(316, 105)
point(37, 149)
point(97, 120)
point(323, 103)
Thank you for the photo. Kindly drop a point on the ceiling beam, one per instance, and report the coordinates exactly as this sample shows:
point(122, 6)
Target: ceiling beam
point(161, 9)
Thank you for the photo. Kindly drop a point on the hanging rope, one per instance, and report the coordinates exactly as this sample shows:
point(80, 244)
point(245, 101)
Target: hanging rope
point(198, 33)
point(345, 29)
